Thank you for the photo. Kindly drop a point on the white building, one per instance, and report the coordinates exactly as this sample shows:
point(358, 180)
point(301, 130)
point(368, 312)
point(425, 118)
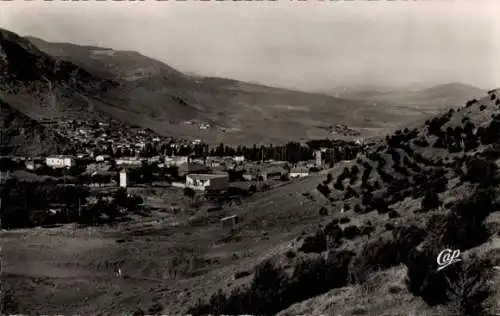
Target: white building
point(319, 160)
point(154, 159)
point(176, 160)
point(239, 158)
point(123, 178)
point(30, 165)
point(204, 182)
point(129, 161)
point(59, 162)
point(299, 172)
point(102, 157)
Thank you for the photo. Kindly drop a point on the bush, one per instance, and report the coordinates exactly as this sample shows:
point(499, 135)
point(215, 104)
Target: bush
point(430, 201)
point(189, 193)
point(367, 199)
point(358, 209)
point(316, 243)
point(470, 102)
point(344, 220)
point(242, 274)
point(9, 304)
point(482, 107)
point(385, 252)
point(290, 254)
point(393, 214)
point(323, 211)
point(350, 192)
point(351, 232)
point(481, 171)
point(463, 285)
point(333, 233)
point(323, 189)
point(338, 185)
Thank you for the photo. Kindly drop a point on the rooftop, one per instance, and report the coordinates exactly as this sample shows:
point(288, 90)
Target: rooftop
point(199, 176)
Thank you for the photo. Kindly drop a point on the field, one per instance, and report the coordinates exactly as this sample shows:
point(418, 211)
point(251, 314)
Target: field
point(165, 260)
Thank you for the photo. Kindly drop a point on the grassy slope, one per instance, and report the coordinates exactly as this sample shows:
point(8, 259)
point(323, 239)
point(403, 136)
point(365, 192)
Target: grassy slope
point(22, 135)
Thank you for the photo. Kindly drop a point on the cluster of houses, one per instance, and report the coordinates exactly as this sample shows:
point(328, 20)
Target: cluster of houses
point(199, 173)
point(105, 135)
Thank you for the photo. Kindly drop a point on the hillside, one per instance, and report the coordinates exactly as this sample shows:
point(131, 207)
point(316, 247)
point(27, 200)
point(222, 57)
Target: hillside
point(293, 252)
point(405, 199)
point(429, 100)
point(42, 86)
point(115, 65)
point(160, 97)
point(24, 136)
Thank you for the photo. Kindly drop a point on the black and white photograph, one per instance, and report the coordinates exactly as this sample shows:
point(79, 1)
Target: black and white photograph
point(227, 157)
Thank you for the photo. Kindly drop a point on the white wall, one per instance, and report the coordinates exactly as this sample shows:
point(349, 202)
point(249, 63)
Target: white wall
point(123, 179)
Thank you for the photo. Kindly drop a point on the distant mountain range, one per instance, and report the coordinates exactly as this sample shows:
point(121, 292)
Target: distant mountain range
point(416, 96)
point(50, 80)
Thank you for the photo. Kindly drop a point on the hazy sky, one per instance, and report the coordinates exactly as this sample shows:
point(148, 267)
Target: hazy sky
point(307, 45)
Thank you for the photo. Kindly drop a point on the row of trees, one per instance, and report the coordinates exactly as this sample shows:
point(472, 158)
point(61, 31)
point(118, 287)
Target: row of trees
point(292, 151)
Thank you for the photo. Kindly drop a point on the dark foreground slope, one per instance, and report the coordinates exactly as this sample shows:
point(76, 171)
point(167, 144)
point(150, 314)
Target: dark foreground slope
point(406, 199)
point(23, 136)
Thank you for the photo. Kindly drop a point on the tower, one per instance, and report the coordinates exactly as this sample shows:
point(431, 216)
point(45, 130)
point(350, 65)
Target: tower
point(123, 178)
point(319, 161)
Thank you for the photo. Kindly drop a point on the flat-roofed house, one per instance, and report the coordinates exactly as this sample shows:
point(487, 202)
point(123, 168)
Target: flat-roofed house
point(205, 182)
point(176, 160)
point(129, 161)
point(59, 161)
point(299, 172)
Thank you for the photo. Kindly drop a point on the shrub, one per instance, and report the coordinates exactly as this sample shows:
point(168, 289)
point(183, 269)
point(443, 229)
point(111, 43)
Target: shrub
point(351, 232)
point(367, 199)
point(9, 304)
point(389, 226)
point(482, 107)
point(242, 274)
point(329, 178)
point(393, 214)
point(430, 201)
point(384, 253)
point(252, 188)
point(189, 193)
point(316, 243)
point(290, 254)
point(333, 233)
point(481, 171)
point(462, 285)
point(358, 209)
point(339, 185)
point(350, 192)
point(323, 211)
point(324, 189)
point(470, 102)
point(344, 220)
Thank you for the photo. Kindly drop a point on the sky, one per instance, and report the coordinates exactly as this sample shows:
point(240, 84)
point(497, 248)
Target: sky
point(308, 45)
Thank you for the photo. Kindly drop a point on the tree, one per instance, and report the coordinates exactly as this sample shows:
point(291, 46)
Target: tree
point(430, 200)
point(189, 193)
